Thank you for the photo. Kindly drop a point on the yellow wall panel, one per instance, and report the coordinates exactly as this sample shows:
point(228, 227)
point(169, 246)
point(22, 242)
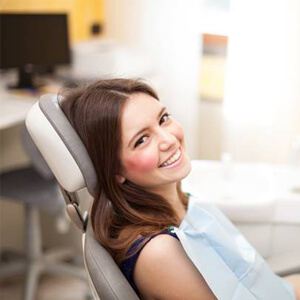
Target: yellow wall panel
point(82, 13)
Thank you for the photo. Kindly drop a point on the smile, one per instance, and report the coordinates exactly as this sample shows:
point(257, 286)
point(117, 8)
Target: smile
point(172, 160)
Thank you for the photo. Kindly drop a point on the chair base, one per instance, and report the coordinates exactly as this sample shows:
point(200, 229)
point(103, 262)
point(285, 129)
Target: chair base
point(51, 263)
point(39, 263)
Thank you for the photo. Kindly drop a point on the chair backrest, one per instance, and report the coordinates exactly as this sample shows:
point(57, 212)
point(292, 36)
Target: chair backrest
point(70, 163)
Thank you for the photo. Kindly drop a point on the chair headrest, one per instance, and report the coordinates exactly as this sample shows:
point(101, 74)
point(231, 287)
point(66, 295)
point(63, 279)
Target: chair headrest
point(36, 159)
point(60, 145)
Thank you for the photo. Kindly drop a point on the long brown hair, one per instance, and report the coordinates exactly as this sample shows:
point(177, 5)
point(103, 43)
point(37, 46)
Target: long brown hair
point(120, 212)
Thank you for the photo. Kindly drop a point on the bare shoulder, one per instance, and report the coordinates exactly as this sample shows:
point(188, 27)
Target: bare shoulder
point(163, 271)
point(294, 280)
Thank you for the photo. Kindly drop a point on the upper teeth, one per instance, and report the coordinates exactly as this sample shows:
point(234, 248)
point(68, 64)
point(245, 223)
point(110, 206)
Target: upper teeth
point(172, 159)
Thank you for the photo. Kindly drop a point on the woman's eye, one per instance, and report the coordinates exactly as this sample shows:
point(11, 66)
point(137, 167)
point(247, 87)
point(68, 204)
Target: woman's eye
point(140, 141)
point(165, 117)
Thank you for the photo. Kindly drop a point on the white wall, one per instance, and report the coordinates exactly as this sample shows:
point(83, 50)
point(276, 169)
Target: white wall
point(262, 97)
point(167, 32)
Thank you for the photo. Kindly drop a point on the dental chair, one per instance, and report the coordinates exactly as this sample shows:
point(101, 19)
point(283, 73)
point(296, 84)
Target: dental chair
point(67, 157)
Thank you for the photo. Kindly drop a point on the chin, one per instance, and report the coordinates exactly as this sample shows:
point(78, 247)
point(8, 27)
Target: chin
point(186, 168)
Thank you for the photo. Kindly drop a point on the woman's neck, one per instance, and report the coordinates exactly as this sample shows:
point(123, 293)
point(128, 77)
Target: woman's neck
point(170, 193)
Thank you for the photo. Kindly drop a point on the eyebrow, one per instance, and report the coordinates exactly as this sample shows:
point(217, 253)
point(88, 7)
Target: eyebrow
point(143, 129)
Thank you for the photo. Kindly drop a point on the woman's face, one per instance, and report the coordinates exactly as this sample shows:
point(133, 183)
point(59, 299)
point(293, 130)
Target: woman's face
point(153, 152)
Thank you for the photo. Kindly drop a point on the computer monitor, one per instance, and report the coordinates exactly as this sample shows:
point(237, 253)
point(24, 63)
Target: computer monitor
point(33, 41)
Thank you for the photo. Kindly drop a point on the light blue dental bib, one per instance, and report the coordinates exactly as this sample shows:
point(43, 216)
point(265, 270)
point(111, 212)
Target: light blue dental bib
point(230, 265)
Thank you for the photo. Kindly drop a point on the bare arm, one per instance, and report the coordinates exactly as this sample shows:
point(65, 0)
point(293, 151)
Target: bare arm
point(164, 272)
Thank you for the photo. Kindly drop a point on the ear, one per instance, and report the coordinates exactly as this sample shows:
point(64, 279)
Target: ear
point(120, 178)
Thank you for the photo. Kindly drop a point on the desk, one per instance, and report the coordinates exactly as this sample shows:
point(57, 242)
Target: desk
point(14, 109)
point(14, 105)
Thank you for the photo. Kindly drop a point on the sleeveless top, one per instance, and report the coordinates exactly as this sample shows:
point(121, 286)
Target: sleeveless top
point(127, 266)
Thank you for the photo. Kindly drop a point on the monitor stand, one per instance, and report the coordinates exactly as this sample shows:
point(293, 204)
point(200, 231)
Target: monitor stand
point(25, 78)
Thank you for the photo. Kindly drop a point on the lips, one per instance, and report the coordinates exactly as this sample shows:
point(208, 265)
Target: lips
point(172, 159)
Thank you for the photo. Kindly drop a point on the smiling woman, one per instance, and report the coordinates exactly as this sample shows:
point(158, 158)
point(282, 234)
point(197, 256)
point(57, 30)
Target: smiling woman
point(132, 141)
point(139, 155)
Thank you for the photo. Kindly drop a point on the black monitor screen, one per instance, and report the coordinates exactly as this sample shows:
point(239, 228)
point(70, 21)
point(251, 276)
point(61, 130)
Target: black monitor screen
point(37, 39)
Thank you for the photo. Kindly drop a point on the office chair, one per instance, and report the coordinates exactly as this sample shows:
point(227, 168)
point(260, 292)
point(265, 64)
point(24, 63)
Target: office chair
point(36, 188)
point(67, 157)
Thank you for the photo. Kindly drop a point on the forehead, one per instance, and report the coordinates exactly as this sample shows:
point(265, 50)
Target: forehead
point(138, 112)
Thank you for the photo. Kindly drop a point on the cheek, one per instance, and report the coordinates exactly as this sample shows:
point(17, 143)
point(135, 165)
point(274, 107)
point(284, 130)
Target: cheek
point(141, 163)
point(178, 131)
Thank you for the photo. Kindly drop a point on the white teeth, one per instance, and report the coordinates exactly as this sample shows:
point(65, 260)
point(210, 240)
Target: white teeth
point(171, 160)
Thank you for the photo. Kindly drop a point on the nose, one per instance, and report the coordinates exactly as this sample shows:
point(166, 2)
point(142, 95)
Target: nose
point(167, 140)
